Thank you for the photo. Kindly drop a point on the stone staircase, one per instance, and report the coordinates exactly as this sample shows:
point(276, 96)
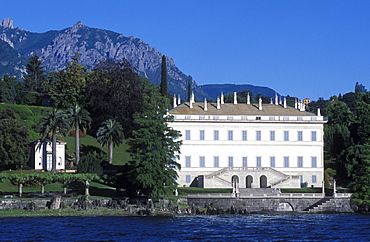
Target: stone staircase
point(316, 207)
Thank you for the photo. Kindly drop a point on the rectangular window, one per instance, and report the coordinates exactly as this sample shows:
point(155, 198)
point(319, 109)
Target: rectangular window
point(245, 161)
point(258, 161)
point(187, 161)
point(314, 179)
point(187, 134)
point(215, 134)
point(216, 162)
point(286, 135)
point(286, 161)
point(187, 178)
point(313, 161)
point(202, 162)
point(244, 135)
point(313, 136)
point(300, 161)
point(230, 135)
point(272, 161)
point(201, 134)
point(300, 135)
point(272, 135)
point(231, 161)
point(258, 135)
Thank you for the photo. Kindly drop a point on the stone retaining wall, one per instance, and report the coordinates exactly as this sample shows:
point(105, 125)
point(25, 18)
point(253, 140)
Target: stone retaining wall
point(256, 205)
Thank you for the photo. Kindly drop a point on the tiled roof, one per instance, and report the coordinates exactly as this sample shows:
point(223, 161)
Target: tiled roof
point(237, 109)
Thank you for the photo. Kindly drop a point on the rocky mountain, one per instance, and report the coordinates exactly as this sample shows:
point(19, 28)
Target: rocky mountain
point(55, 48)
point(214, 90)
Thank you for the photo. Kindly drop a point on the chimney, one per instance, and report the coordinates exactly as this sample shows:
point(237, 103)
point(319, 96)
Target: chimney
point(260, 104)
point(284, 102)
point(318, 112)
point(174, 101)
point(218, 103)
point(248, 99)
point(276, 99)
point(192, 97)
point(179, 100)
point(235, 98)
point(222, 98)
point(191, 104)
point(205, 105)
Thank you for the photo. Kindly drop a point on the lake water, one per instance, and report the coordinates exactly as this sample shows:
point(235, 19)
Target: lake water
point(256, 227)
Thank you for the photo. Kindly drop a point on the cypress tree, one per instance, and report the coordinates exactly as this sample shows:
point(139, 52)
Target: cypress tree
point(164, 85)
point(189, 88)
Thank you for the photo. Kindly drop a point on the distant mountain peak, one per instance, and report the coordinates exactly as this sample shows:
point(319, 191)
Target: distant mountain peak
point(7, 23)
point(78, 25)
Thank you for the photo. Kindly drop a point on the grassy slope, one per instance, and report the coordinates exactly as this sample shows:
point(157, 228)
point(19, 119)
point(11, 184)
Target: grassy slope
point(30, 116)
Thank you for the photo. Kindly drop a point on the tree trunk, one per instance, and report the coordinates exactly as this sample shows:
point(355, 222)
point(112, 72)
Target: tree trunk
point(65, 188)
point(54, 153)
point(87, 186)
point(110, 152)
point(20, 186)
point(77, 145)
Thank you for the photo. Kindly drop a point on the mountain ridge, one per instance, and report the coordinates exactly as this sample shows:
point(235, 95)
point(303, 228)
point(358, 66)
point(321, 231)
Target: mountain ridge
point(56, 47)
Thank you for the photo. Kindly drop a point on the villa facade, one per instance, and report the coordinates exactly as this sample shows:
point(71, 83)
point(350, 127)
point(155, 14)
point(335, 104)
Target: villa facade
point(249, 145)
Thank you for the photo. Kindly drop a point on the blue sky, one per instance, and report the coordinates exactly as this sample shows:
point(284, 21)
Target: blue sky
point(300, 48)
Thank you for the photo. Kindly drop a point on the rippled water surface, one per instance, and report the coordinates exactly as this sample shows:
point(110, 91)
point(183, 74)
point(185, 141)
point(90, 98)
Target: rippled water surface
point(307, 227)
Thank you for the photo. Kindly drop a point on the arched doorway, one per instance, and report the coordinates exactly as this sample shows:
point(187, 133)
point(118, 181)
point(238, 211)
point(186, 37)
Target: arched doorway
point(235, 183)
point(263, 181)
point(249, 181)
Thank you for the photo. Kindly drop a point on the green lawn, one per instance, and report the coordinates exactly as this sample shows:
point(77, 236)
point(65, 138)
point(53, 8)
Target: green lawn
point(120, 156)
point(96, 189)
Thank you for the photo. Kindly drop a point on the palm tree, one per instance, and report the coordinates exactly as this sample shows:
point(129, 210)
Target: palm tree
point(52, 123)
point(79, 120)
point(110, 133)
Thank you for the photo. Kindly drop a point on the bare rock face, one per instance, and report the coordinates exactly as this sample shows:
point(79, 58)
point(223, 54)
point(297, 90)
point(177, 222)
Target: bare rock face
point(7, 23)
point(55, 49)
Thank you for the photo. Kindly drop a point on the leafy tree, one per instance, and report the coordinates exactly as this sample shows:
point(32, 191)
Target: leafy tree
point(363, 122)
point(87, 178)
point(337, 138)
point(44, 178)
point(357, 161)
point(164, 83)
point(19, 179)
point(79, 120)
point(110, 134)
point(68, 86)
point(339, 113)
point(91, 163)
point(153, 147)
point(65, 179)
point(35, 73)
point(113, 93)
point(8, 93)
point(13, 141)
point(53, 123)
point(33, 81)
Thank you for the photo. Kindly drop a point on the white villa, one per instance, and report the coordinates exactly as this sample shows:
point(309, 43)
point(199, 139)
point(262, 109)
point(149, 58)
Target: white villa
point(41, 154)
point(249, 145)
